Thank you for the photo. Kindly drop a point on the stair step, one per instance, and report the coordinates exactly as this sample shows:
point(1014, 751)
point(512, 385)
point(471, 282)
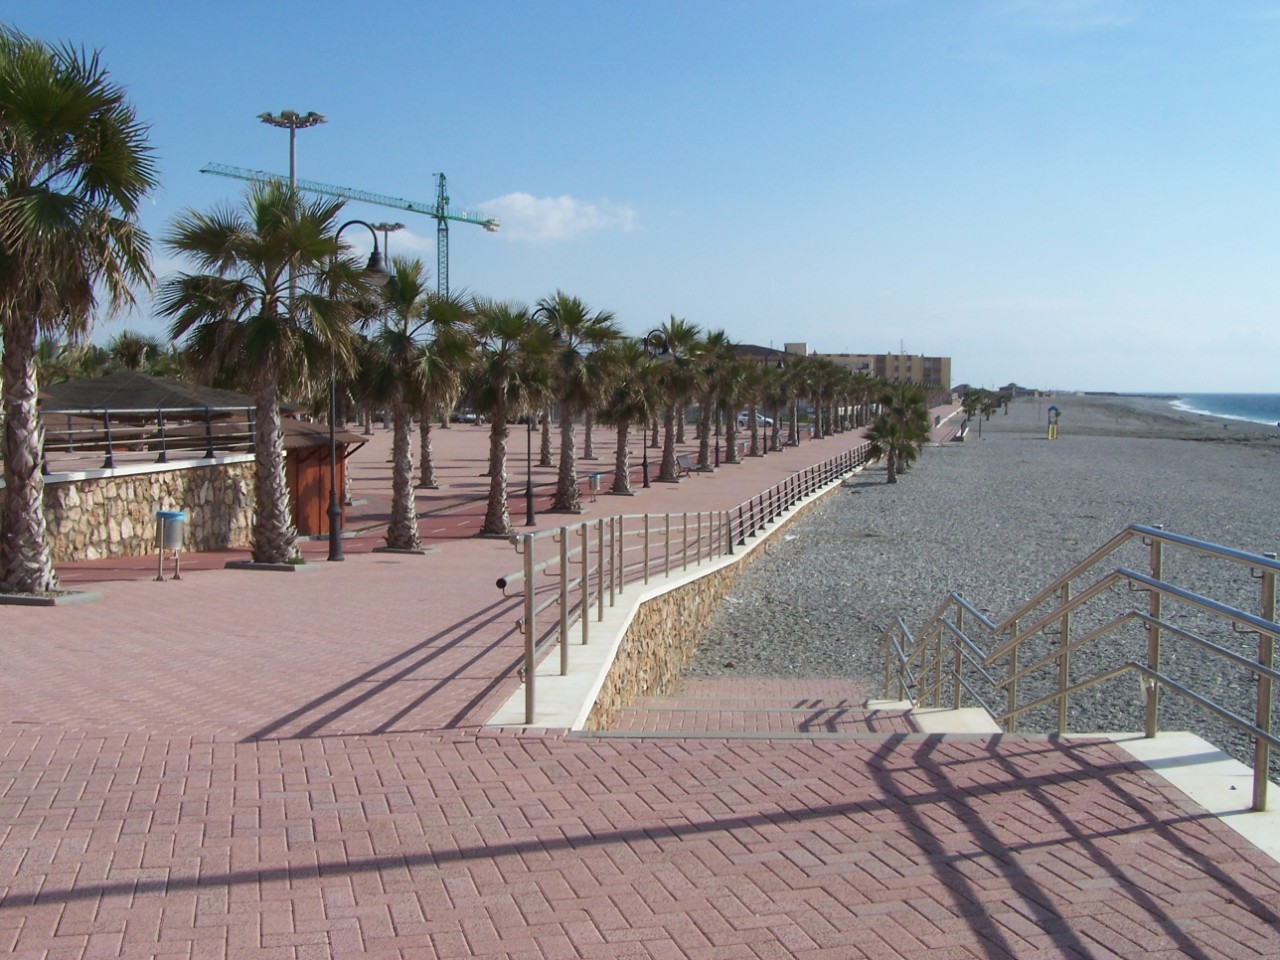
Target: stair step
point(747, 719)
point(679, 702)
point(763, 706)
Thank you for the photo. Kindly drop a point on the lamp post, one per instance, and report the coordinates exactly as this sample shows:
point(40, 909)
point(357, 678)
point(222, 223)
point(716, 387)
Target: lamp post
point(529, 520)
point(292, 121)
point(651, 341)
point(387, 228)
point(375, 274)
point(717, 419)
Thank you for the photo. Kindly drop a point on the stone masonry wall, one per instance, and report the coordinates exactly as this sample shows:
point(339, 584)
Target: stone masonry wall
point(666, 630)
point(116, 516)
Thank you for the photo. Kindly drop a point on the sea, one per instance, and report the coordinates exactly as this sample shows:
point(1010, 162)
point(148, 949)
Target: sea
point(1255, 407)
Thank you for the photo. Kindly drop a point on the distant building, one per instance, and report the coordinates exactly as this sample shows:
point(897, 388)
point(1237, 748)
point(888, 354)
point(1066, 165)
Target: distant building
point(931, 372)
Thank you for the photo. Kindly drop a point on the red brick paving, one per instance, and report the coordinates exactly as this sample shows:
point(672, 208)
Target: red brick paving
point(290, 765)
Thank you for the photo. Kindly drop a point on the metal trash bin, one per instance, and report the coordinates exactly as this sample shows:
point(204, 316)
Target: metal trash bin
point(169, 534)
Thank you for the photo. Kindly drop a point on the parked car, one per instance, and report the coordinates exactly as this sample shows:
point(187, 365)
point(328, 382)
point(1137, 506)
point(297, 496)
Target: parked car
point(761, 419)
point(466, 416)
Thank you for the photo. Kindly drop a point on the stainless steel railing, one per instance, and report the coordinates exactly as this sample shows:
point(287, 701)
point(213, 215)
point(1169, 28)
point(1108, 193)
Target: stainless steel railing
point(107, 438)
point(575, 569)
point(960, 655)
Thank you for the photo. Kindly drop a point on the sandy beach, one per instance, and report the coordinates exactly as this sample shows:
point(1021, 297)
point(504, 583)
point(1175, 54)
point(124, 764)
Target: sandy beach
point(995, 518)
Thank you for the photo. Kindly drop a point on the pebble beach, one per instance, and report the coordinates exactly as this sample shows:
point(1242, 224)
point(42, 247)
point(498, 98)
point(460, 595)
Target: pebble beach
point(997, 517)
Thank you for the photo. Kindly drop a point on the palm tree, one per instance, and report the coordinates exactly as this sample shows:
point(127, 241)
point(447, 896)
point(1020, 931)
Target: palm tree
point(417, 351)
point(732, 387)
point(577, 332)
point(451, 354)
point(713, 351)
point(239, 314)
point(56, 362)
point(899, 432)
point(864, 391)
point(74, 169)
point(677, 379)
point(510, 372)
point(135, 351)
point(631, 397)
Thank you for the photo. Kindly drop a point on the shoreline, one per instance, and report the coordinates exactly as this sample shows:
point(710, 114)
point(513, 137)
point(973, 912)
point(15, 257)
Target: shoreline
point(1152, 416)
point(1167, 402)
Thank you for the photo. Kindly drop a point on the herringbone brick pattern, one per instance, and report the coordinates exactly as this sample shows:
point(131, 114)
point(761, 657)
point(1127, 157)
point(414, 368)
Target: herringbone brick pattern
point(522, 845)
point(259, 766)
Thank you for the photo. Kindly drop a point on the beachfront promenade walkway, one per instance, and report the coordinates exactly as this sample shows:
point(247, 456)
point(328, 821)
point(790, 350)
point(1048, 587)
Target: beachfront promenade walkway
point(294, 765)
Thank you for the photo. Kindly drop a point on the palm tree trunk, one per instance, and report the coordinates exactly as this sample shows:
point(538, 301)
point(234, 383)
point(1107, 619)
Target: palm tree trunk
point(274, 535)
point(793, 428)
point(731, 438)
point(680, 415)
point(588, 448)
point(667, 472)
point(402, 531)
point(426, 467)
point(704, 434)
point(653, 430)
point(26, 562)
point(891, 471)
point(755, 429)
point(497, 518)
point(544, 451)
point(568, 498)
point(622, 460)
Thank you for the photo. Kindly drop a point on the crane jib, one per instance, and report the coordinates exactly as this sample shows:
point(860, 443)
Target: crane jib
point(439, 210)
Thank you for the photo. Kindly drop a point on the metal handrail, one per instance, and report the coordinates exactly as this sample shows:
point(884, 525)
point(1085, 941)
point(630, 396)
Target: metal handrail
point(944, 640)
point(639, 547)
point(77, 438)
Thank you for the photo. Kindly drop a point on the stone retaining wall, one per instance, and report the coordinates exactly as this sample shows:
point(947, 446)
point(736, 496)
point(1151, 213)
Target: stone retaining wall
point(665, 631)
point(115, 515)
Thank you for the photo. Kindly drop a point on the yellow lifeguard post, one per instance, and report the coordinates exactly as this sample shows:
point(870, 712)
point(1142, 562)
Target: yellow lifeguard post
point(1053, 423)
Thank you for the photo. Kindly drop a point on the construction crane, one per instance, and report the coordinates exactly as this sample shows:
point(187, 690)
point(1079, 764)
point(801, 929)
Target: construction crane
point(440, 211)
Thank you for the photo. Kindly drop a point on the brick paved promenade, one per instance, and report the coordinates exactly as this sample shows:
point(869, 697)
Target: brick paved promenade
point(257, 765)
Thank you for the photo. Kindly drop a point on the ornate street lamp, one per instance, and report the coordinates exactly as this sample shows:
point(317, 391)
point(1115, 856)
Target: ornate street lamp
point(376, 275)
point(529, 520)
point(655, 345)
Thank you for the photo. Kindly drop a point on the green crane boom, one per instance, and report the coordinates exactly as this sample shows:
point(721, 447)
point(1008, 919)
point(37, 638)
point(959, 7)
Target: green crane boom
point(440, 210)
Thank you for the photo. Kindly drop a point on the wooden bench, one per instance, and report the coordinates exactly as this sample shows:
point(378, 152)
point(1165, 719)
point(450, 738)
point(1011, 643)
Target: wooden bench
point(685, 465)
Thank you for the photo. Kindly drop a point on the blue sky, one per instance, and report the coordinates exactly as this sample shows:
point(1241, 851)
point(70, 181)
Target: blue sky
point(1065, 193)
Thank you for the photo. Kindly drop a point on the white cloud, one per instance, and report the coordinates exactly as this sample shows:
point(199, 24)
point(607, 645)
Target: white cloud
point(526, 217)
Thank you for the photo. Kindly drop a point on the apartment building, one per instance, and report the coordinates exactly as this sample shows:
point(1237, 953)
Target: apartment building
point(930, 372)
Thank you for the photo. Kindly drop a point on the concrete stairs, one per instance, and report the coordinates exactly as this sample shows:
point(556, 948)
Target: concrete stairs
point(764, 707)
